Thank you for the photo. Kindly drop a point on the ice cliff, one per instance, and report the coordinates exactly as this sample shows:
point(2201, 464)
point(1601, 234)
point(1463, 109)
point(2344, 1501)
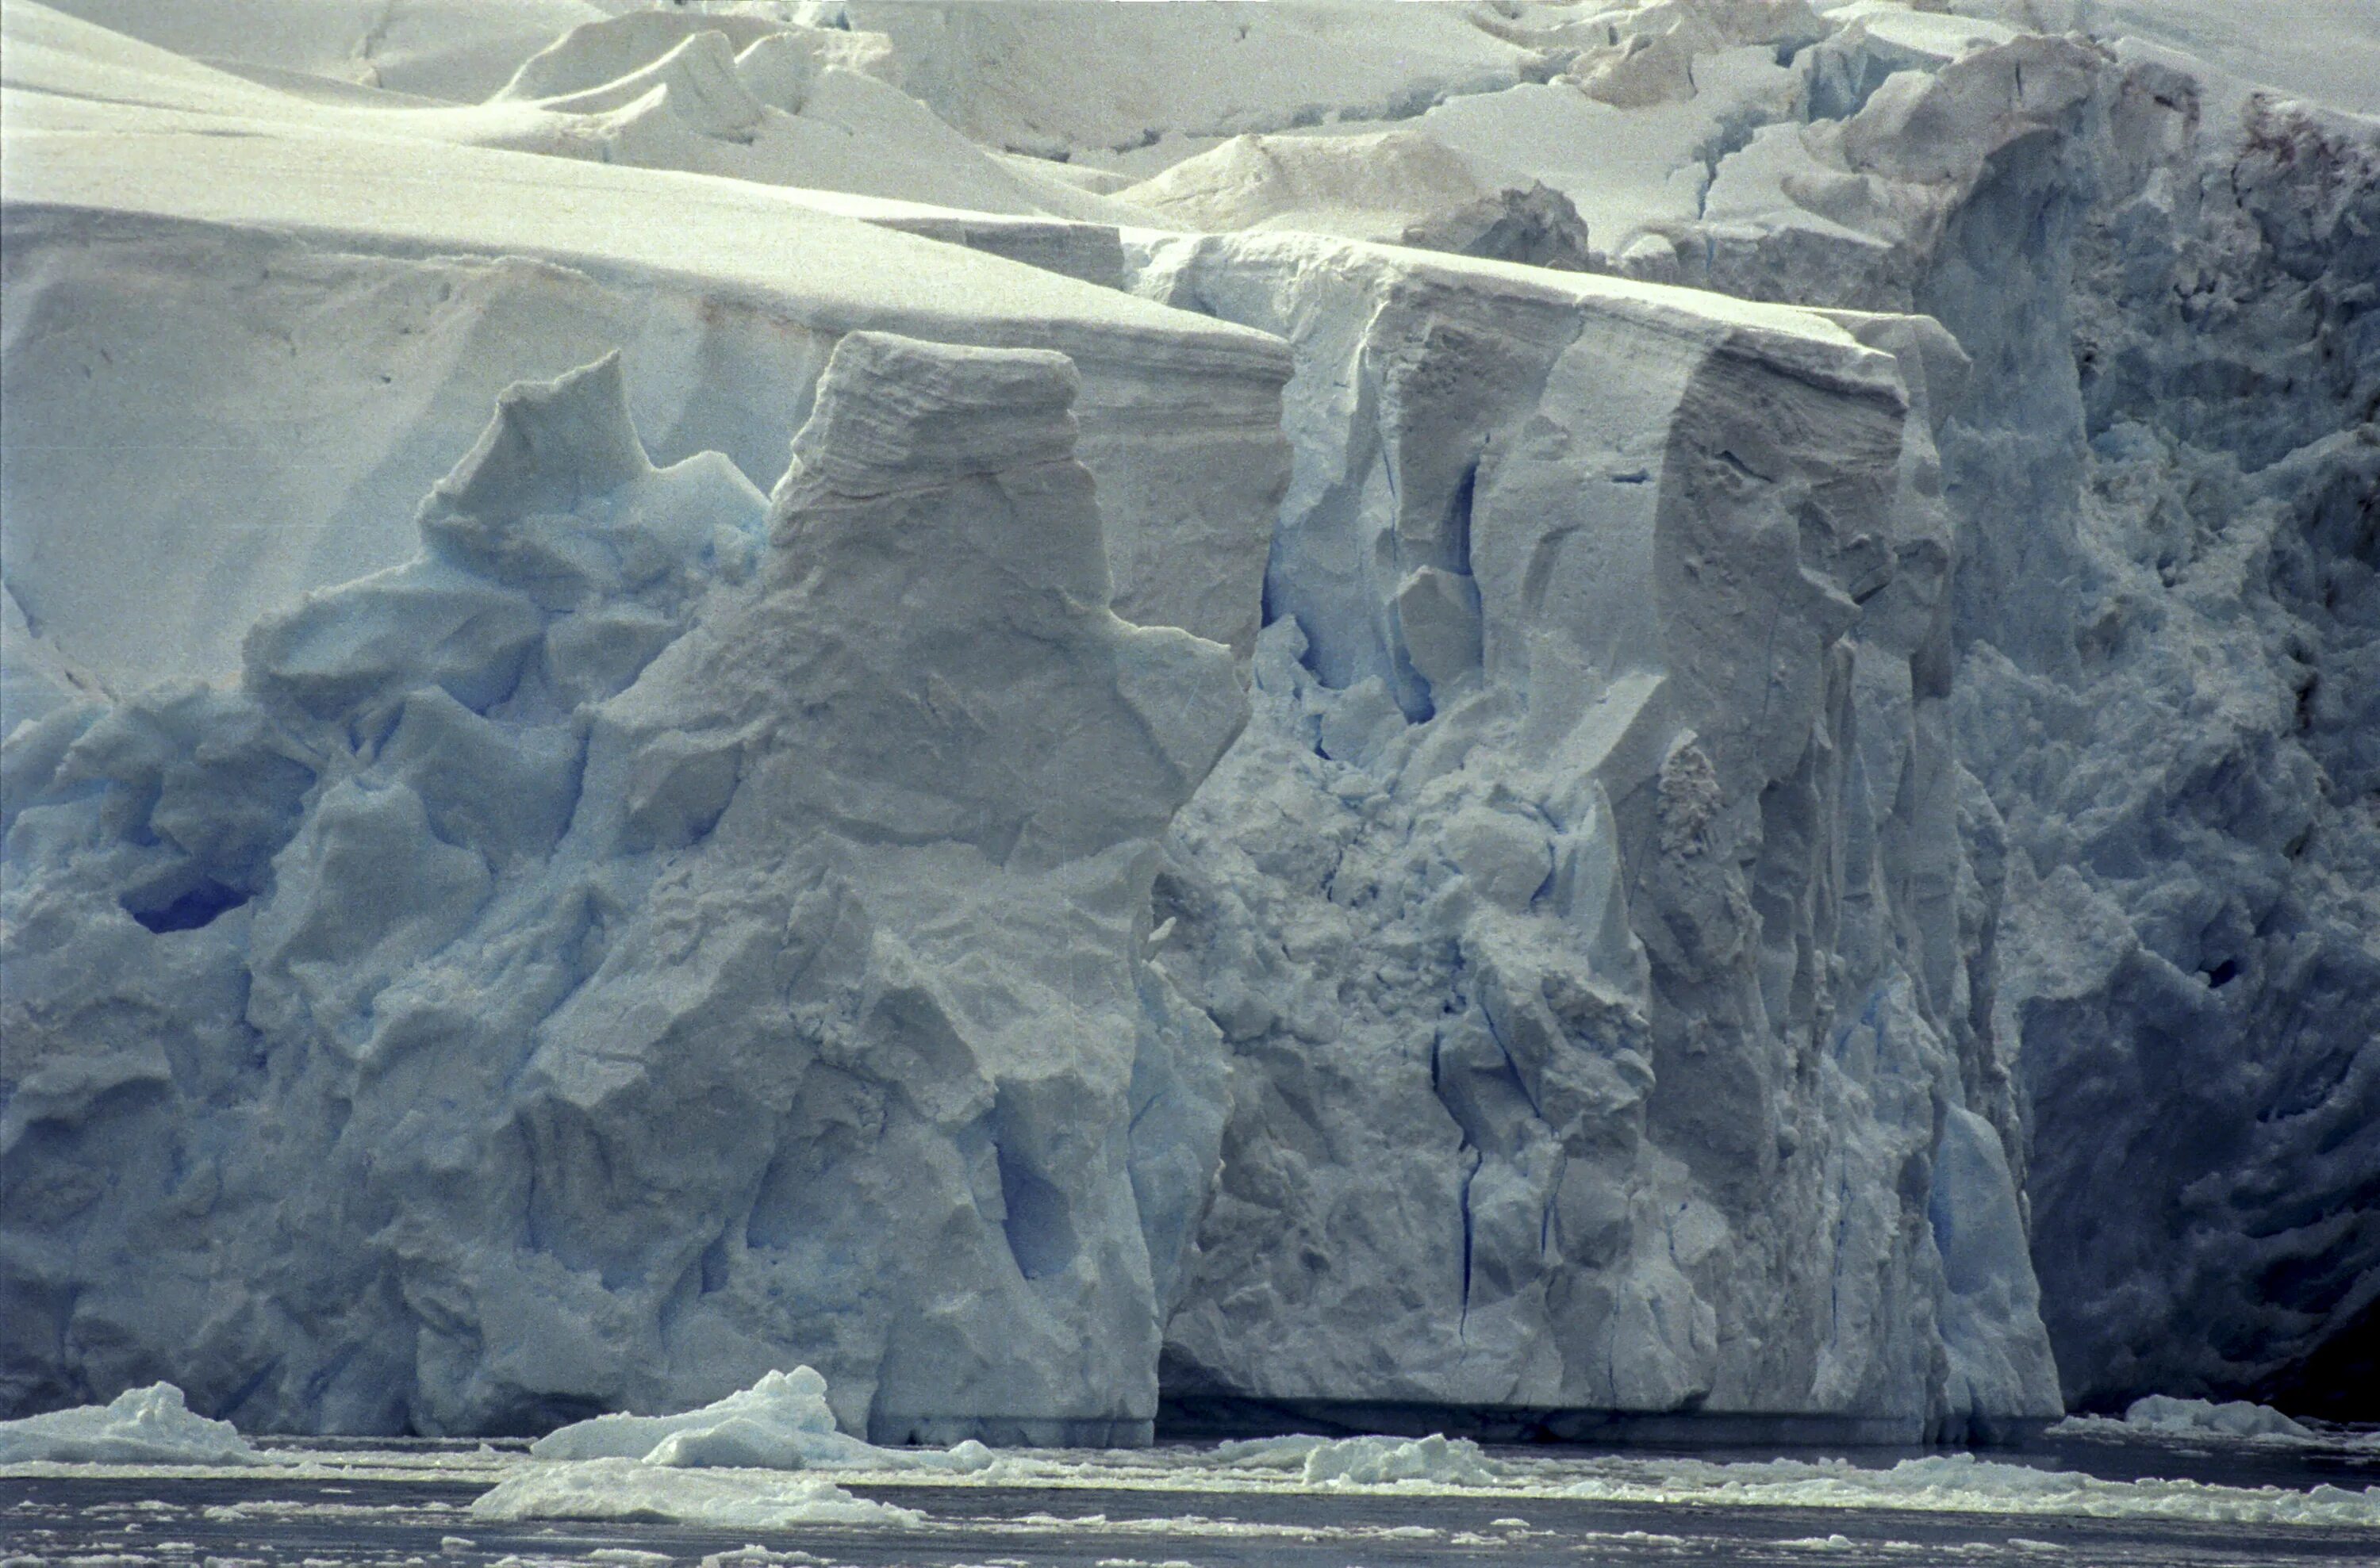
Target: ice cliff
point(1607, 717)
point(659, 925)
point(1580, 881)
point(2163, 478)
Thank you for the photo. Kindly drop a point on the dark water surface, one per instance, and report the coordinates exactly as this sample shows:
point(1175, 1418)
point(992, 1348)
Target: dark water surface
point(267, 1519)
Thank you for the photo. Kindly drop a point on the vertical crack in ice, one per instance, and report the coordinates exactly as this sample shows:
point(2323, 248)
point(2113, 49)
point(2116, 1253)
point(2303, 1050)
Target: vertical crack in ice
point(1475, 1159)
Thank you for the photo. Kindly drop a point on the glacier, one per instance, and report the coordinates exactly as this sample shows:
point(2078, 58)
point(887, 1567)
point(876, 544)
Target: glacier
point(501, 802)
point(1562, 875)
point(1597, 719)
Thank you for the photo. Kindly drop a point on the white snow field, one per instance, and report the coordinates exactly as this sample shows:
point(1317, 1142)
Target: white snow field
point(1570, 716)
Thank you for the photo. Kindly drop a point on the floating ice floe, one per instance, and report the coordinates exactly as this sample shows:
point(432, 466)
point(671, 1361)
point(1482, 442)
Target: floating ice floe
point(783, 1422)
point(2239, 1417)
point(1368, 1461)
point(1963, 1483)
point(2163, 1416)
point(1958, 1483)
point(624, 1489)
point(142, 1426)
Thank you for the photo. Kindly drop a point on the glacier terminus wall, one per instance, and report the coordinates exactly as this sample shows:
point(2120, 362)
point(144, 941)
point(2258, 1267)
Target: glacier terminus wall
point(1645, 719)
point(1577, 883)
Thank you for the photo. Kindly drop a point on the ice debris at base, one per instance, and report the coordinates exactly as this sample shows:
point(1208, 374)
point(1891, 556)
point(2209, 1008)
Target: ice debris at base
point(142, 1425)
point(1785, 857)
point(783, 1422)
point(2162, 1416)
point(2239, 1418)
point(1961, 1483)
point(1948, 1483)
point(1964, 1483)
point(1367, 1461)
point(622, 1488)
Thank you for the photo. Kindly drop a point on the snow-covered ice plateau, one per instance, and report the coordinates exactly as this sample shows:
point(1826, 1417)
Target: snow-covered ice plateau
point(1586, 716)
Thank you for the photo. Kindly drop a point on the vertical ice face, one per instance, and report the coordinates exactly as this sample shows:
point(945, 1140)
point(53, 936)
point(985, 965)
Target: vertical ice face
point(2189, 966)
point(1746, 813)
point(1583, 906)
point(654, 936)
point(2158, 482)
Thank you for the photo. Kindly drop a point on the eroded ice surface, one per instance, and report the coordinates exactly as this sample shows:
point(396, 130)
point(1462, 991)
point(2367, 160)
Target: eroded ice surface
point(472, 827)
point(1781, 827)
point(1584, 731)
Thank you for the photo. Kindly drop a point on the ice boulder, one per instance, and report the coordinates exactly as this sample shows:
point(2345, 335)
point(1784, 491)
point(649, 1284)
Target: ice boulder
point(142, 1426)
point(657, 936)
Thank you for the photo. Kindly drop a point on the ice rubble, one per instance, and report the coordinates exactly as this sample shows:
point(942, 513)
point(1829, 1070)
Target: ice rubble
point(2238, 1418)
point(1956, 1483)
point(142, 1426)
point(1367, 1461)
point(783, 1422)
point(1746, 813)
point(1967, 1483)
